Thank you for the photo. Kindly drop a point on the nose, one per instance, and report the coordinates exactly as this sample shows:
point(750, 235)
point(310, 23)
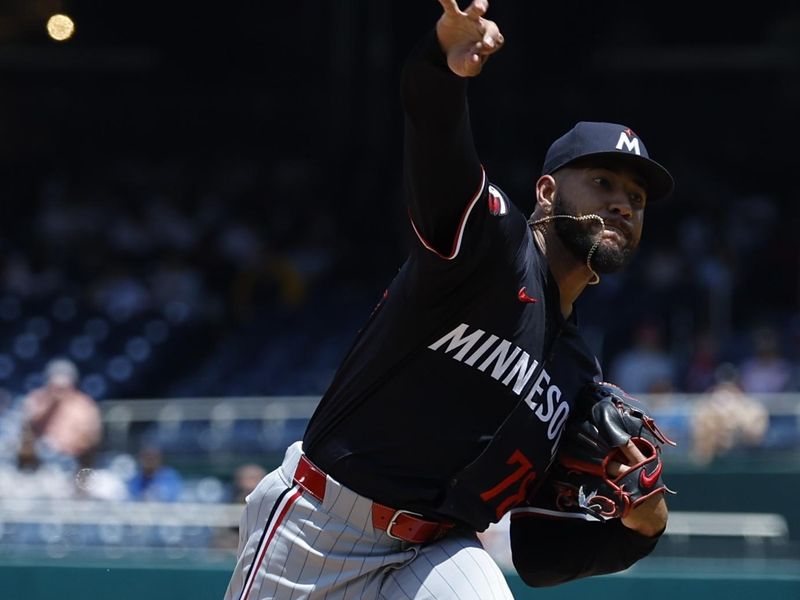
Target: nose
point(621, 205)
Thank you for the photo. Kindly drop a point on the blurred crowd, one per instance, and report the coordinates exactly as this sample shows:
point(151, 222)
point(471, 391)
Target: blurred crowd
point(125, 274)
point(648, 367)
point(52, 448)
point(159, 279)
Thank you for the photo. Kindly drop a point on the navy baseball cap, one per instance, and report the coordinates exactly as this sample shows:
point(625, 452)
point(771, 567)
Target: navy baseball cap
point(609, 141)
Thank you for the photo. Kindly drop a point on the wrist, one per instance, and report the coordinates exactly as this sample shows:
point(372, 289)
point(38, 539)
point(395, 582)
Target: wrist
point(649, 518)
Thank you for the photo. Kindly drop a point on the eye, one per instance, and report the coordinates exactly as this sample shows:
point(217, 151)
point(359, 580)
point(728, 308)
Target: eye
point(636, 199)
point(602, 182)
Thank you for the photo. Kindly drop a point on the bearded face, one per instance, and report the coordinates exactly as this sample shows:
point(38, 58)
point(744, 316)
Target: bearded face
point(579, 237)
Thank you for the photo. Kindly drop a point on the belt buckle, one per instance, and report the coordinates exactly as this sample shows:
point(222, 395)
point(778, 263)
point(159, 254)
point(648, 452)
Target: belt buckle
point(393, 521)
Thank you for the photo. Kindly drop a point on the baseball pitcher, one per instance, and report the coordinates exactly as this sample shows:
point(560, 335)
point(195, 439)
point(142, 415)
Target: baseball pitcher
point(470, 393)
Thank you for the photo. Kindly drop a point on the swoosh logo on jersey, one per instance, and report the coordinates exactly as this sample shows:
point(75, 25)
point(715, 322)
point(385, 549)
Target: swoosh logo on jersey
point(649, 481)
point(523, 297)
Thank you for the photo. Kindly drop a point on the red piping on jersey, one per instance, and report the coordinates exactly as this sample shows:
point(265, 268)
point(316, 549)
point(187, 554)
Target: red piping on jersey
point(461, 225)
point(262, 552)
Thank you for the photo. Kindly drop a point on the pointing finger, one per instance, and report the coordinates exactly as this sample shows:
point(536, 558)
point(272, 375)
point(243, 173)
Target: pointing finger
point(477, 9)
point(450, 7)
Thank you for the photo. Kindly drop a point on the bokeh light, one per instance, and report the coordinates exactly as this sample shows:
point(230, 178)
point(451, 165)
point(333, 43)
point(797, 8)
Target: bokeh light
point(60, 27)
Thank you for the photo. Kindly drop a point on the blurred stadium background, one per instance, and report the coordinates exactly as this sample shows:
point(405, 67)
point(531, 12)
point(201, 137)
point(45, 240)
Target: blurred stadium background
point(201, 204)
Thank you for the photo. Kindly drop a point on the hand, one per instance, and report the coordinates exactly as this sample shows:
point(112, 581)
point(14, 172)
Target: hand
point(466, 37)
point(650, 516)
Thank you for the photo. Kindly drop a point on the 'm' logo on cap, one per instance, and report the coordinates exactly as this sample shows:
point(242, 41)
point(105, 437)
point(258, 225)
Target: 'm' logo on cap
point(628, 139)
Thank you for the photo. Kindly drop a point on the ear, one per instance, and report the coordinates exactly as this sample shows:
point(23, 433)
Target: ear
point(545, 193)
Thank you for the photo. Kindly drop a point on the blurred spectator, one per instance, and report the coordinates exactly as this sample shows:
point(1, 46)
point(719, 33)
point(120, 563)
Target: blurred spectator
point(727, 418)
point(66, 422)
point(154, 481)
point(703, 363)
point(767, 371)
point(27, 477)
point(646, 368)
point(245, 480)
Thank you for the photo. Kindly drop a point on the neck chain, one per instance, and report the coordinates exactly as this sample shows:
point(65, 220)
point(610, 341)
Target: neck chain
point(595, 277)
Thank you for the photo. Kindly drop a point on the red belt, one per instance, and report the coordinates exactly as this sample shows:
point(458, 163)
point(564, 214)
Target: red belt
point(398, 524)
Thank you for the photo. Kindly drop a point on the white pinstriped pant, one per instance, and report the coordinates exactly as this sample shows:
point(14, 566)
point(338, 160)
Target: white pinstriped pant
point(292, 547)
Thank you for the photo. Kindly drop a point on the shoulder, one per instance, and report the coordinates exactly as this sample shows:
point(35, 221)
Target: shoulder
point(496, 219)
point(78, 398)
point(489, 219)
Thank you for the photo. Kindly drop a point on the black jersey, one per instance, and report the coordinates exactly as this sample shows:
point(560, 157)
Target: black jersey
point(450, 353)
point(470, 329)
point(453, 398)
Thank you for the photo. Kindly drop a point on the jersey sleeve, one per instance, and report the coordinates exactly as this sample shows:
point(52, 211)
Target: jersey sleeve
point(549, 548)
point(443, 177)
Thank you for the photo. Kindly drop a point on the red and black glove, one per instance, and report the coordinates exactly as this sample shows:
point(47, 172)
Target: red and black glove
point(605, 418)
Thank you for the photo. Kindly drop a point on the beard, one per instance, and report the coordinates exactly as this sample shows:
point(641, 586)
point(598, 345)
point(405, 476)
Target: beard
point(579, 237)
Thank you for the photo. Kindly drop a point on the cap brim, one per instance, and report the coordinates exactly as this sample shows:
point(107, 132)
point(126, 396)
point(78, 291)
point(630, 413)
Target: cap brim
point(657, 179)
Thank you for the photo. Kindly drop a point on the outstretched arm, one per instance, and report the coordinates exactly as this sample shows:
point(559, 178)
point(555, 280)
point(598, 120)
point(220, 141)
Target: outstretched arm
point(442, 170)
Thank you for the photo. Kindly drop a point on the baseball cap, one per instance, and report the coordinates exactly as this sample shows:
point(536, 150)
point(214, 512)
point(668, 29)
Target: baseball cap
point(613, 141)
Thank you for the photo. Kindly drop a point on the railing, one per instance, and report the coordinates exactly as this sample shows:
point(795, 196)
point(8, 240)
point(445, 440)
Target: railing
point(718, 533)
point(269, 423)
point(734, 524)
point(80, 525)
point(125, 514)
point(196, 514)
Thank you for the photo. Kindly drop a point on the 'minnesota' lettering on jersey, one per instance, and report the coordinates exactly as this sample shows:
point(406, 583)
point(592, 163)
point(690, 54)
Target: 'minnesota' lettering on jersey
point(513, 367)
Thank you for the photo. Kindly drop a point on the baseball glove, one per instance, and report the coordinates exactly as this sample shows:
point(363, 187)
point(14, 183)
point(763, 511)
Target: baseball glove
point(605, 419)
